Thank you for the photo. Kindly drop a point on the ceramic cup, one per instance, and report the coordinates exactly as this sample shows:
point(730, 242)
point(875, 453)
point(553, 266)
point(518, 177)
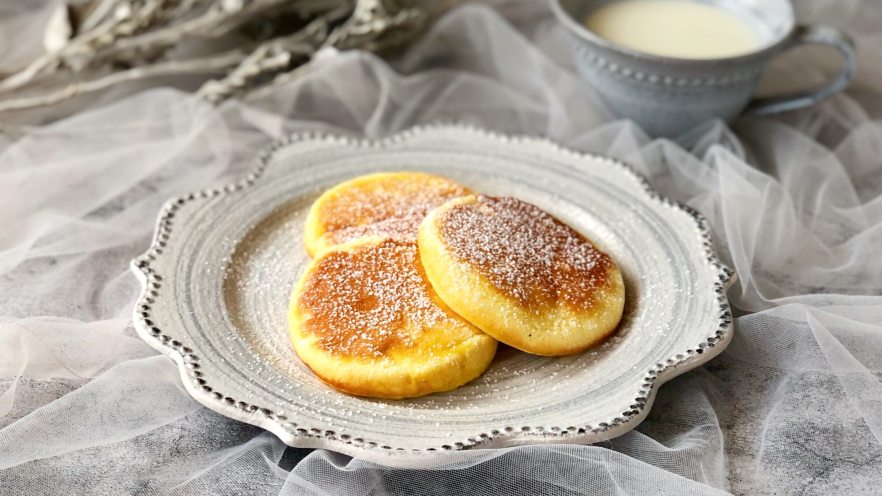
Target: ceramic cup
point(668, 96)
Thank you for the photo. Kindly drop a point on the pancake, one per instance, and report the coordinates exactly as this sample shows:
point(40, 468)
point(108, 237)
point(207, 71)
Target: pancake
point(520, 275)
point(366, 321)
point(388, 204)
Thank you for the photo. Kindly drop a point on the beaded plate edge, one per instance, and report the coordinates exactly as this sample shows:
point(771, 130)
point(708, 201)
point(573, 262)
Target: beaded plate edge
point(303, 436)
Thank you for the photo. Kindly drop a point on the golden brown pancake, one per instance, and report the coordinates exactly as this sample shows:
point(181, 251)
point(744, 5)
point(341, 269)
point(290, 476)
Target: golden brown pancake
point(521, 275)
point(366, 321)
point(387, 204)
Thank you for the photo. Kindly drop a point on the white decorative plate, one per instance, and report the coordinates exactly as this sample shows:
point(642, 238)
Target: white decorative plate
point(218, 275)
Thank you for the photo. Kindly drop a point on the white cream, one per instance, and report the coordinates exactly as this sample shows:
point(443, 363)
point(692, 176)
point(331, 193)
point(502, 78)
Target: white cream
point(674, 28)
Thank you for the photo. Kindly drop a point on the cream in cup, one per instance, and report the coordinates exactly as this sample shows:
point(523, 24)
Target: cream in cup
point(672, 64)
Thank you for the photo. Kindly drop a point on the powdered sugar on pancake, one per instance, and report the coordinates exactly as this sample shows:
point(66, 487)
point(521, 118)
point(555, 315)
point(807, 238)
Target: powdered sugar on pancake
point(525, 253)
point(370, 300)
point(390, 206)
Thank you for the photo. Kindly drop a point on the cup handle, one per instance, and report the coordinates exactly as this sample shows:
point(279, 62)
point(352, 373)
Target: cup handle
point(819, 35)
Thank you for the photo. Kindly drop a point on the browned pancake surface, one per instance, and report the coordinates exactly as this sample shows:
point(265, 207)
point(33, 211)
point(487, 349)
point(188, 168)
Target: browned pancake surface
point(389, 204)
point(525, 253)
point(370, 301)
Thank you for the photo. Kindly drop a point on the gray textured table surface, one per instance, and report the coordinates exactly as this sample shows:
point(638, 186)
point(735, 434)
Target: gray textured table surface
point(792, 407)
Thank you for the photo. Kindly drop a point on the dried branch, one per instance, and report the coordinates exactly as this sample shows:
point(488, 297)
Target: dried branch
point(134, 40)
point(209, 65)
point(125, 22)
point(273, 57)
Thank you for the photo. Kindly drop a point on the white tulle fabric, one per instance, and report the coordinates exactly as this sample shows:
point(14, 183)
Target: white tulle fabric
point(794, 406)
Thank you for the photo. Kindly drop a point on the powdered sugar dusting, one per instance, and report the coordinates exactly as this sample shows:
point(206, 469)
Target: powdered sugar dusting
point(525, 252)
point(403, 228)
point(391, 206)
point(369, 301)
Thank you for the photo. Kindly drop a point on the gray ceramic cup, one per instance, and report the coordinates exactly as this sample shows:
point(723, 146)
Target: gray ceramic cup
point(668, 96)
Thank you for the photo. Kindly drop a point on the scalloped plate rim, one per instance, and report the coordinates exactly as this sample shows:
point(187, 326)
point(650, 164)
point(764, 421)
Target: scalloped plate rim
point(425, 457)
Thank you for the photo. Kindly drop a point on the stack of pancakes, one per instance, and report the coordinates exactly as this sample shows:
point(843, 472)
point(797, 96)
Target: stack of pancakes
point(415, 278)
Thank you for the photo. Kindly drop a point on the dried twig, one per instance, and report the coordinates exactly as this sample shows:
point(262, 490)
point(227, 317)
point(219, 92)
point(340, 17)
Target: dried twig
point(209, 65)
point(127, 40)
